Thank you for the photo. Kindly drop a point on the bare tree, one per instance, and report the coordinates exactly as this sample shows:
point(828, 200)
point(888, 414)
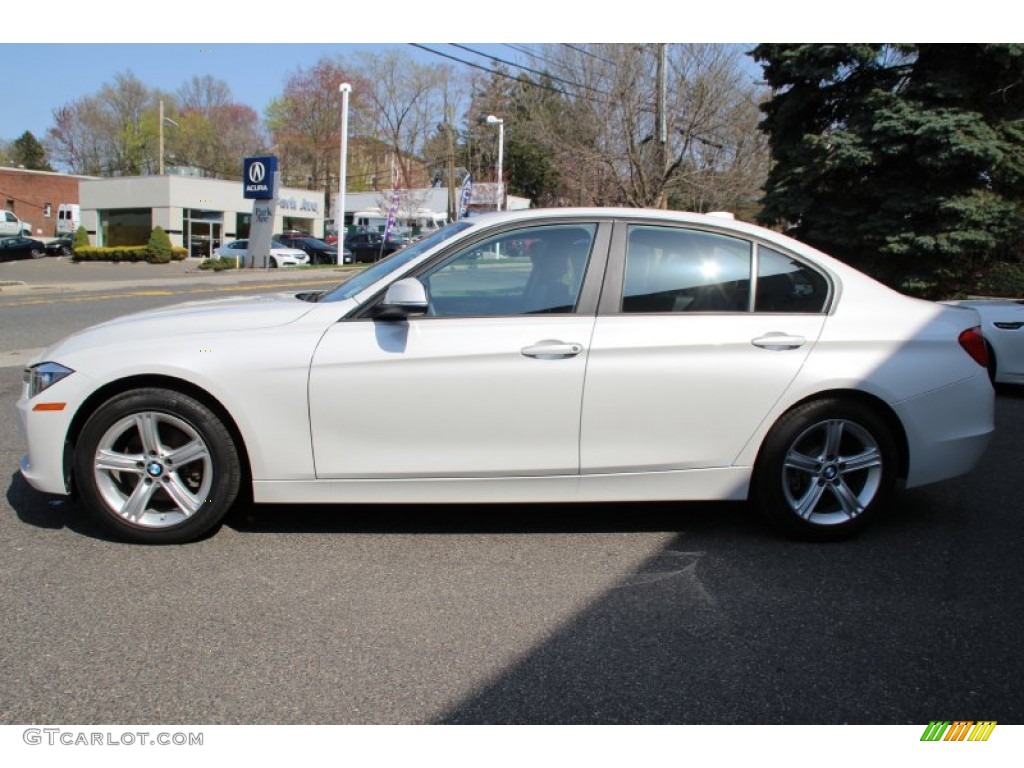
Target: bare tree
point(640, 125)
point(211, 131)
point(402, 107)
point(305, 124)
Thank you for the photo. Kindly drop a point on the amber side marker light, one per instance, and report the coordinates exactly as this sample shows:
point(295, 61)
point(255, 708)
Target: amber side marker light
point(48, 406)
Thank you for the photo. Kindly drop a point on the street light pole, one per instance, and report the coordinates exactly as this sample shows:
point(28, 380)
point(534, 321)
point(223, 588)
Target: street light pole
point(339, 214)
point(492, 120)
point(163, 120)
point(160, 164)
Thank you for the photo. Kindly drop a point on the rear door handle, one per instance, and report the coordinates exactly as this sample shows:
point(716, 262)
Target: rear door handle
point(778, 342)
point(552, 349)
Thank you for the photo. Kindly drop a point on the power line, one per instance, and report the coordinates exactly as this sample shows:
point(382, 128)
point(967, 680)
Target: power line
point(499, 73)
point(585, 52)
point(528, 52)
point(529, 69)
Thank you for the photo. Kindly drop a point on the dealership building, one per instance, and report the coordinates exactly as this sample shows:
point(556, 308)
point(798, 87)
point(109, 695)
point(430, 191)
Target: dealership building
point(199, 214)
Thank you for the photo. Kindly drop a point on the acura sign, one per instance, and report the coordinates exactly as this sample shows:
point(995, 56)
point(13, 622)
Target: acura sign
point(258, 177)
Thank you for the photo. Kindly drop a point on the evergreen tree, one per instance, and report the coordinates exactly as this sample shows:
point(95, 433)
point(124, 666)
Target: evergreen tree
point(28, 152)
point(159, 249)
point(905, 160)
point(81, 239)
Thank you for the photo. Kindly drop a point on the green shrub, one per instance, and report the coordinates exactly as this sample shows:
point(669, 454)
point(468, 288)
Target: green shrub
point(159, 249)
point(80, 240)
point(115, 253)
point(217, 265)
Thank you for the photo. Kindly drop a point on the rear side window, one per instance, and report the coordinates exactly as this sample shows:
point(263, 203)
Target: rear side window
point(787, 285)
point(679, 270)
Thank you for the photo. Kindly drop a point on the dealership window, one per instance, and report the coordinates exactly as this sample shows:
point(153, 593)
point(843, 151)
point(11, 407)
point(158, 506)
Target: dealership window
point(126, 226)
point(242, 223)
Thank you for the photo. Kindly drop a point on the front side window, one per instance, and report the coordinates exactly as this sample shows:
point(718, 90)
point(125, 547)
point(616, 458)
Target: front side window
point(679, 270)
point(392, 263)
point(535, 270)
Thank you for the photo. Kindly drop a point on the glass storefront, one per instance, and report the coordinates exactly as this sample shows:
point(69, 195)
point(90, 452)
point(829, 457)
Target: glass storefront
point(203, 232)
point(126, 226)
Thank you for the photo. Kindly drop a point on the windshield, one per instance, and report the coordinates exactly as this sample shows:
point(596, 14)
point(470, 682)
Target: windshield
point(314, 242)
point(395, 261)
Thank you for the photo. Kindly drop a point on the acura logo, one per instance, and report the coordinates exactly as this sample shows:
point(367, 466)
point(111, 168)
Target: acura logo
point(257, 172)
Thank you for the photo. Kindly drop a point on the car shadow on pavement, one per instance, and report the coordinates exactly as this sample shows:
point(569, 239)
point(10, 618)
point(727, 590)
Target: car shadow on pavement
point(47, 511)
point(722, 629)
point(495, 518)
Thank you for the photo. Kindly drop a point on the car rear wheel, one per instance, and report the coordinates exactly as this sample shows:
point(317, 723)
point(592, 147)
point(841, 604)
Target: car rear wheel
point(825, 469)
point(156, 466)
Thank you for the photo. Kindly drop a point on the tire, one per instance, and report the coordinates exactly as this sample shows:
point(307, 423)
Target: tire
point(993, 368)
point(825, 470)
point(37, 254)
point(65, 251)
point(273, 263)
point(129, 467)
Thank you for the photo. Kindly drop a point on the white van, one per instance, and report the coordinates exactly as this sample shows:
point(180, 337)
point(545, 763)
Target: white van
point(68, 219)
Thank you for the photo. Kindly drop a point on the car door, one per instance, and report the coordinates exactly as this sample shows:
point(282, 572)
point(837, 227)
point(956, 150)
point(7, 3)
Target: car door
point(488, 384)
point(681, 370)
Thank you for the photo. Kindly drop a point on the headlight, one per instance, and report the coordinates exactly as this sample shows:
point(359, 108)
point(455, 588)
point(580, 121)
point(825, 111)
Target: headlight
point(43, 376)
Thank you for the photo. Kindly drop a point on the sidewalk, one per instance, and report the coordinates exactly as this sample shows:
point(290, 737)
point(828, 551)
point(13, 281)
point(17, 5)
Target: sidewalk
point(61, 274)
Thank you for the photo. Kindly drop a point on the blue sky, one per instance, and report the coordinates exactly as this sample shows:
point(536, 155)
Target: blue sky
point(255, 46)
point(50, 75)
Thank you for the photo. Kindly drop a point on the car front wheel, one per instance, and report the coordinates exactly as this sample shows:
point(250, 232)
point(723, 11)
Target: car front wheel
point(825, 469)
point(157, 466)
point(38, 253)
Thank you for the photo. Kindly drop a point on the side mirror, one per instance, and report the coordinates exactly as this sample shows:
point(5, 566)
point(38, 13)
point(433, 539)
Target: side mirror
point(405, 298)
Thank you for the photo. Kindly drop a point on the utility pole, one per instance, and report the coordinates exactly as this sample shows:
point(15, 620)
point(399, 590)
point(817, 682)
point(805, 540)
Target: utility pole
point(450, 130)
point(662, 122)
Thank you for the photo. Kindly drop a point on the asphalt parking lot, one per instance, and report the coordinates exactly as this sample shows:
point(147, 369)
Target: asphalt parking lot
point(605, 614)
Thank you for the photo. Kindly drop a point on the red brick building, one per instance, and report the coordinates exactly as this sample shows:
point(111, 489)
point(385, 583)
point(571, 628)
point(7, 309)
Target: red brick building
point(33, 196)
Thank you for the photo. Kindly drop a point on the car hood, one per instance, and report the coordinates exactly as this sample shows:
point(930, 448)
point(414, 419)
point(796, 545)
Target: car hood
point(218, 315)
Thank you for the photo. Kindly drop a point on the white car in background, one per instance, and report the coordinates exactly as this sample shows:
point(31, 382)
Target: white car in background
point(609, 355)
point(280, 255)
point(1002, 325)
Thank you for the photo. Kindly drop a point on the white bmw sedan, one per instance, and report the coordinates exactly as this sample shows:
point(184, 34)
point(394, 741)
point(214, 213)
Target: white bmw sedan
point(1002, 325)
point(280, 255)
point(564, 355)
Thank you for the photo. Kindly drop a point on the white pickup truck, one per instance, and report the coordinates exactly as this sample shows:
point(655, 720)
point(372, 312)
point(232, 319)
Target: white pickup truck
point(12, 225)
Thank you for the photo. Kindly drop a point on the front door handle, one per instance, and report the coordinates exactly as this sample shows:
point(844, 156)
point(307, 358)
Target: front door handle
point(552, 349)
point(778, 342)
